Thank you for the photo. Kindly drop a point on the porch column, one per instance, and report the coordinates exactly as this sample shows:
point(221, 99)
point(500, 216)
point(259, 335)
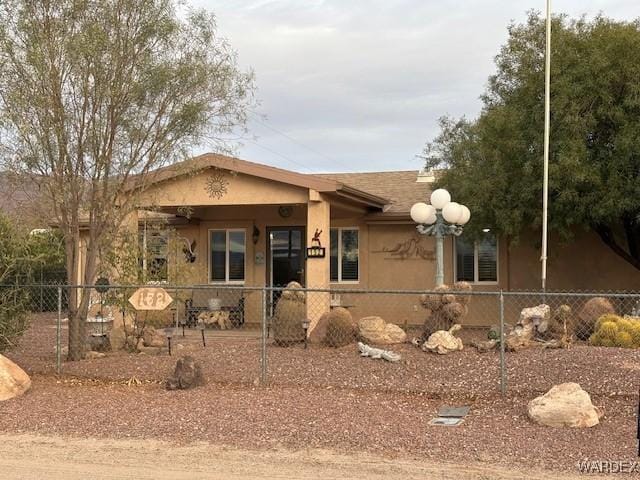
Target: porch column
point(317, 269)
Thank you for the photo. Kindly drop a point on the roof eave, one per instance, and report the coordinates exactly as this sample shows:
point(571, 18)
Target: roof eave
point(362, 197)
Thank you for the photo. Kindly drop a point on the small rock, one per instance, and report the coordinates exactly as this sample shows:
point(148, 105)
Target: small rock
point(187, 374)
point(90, 355)
point(486, 346)
point(565, 405)
point(150, 350)
point(13, 380)
point(153, 338)
point(98, 343)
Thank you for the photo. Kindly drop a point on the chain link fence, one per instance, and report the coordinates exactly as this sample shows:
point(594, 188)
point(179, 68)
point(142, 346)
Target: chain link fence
point(451, 341)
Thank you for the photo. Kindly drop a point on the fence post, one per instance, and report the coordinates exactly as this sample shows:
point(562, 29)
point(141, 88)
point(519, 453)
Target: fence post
point(503, 375)
point(263, 343)
point(58, 333)
point(41, 289)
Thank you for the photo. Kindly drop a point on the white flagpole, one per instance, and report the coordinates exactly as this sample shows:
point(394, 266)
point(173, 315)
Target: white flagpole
point(545, 182)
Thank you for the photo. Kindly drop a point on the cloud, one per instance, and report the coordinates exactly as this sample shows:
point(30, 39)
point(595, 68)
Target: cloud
point(364, 82)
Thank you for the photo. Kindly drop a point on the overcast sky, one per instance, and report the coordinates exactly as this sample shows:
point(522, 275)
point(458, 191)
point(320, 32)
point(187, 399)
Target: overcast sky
point(358, 85)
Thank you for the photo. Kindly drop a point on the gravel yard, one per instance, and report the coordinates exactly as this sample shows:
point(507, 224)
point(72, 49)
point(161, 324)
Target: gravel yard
point(235, 358)
point(390, 425)
point(331, 399)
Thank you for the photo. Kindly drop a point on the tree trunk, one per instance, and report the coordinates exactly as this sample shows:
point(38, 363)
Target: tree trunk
point(607, 236)
point(76, 345)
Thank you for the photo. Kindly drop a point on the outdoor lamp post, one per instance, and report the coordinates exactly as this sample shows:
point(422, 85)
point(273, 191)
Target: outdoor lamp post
point(443, 217)
point(305, 326)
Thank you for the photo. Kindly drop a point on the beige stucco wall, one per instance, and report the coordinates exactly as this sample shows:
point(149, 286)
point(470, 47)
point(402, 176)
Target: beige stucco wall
point(584, 264)
point(240, 189)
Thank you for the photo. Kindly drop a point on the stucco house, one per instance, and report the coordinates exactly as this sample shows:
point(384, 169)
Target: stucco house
point(252, 224)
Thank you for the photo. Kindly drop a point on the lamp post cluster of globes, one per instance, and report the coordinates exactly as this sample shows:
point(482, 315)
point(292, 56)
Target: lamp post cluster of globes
point(440, 218)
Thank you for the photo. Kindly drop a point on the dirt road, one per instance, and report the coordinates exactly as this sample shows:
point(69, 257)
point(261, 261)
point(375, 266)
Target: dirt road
point(53, 458)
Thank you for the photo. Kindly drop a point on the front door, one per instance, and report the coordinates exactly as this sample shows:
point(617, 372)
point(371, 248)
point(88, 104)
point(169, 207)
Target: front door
point(285, 256)
point(285, 259)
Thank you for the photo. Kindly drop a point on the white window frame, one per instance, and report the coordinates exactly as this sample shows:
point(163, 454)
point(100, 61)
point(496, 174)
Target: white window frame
point(145, 257)
point(340, 229)
point(475, 264)
point(226, 257)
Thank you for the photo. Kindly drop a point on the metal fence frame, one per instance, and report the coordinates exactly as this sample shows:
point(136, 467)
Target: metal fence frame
point(265, 292)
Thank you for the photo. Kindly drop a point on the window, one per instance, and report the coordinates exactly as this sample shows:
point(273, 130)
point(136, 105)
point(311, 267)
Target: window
point(226, 255)
point(477, 262)
point(344, 261)
point(153, 262)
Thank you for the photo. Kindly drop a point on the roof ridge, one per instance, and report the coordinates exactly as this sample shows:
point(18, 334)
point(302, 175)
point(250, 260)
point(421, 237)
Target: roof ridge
point(365, 173)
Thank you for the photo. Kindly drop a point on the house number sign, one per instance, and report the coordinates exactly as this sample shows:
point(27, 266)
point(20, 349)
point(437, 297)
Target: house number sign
point(151, 298)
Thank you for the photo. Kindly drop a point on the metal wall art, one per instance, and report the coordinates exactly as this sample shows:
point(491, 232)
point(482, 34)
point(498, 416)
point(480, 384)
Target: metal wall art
point(217, 185)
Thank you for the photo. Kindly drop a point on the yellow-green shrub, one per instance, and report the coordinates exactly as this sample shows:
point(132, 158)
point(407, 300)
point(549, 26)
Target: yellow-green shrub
point(614, 331)
point(623, 339)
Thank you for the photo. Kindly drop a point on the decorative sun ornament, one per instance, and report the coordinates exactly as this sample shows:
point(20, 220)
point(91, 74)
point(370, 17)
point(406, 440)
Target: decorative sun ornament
point(217, 185)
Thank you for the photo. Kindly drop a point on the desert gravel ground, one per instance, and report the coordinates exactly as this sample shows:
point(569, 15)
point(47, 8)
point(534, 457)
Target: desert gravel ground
point(27, 457)
point(236, 359)
point(389, 426)
point(331, 399)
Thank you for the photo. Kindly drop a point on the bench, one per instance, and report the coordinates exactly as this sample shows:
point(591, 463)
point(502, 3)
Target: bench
point(199, 303)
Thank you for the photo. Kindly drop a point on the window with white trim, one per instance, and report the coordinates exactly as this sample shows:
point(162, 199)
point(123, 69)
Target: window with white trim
point(477, 261)
point(227, 255)
point(153, 259)
point(345, 256)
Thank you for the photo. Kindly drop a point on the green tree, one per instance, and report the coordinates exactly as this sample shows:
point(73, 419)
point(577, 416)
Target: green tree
point(95, 95)
point(494, 163)
point(14, 263)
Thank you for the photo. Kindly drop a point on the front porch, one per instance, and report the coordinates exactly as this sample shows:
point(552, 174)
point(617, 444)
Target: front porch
point(239, 224)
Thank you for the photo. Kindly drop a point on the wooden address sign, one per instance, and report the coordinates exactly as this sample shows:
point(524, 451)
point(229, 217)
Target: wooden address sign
point(315, 252)
point(150, 298)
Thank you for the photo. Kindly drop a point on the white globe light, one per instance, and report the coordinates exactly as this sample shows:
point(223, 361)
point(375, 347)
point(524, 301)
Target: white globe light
point(452, 212)
point(466, 215)
point(421, 213)
point(439, 198)
point(432, 218)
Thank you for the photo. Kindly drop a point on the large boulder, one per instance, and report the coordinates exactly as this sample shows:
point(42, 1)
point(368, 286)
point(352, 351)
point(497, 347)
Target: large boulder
point(187, 374)
point(341, 329)
point(536, 317)
point(375, 330)
point(13, 380)
point(443, 341)
point(534, 322)
point(565, 405)
point(290, 312)
point(592, 310)
point(319, 331)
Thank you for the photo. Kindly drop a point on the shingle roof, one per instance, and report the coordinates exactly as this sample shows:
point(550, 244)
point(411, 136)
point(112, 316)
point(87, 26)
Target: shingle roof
point(208, 160)
point(400, 187)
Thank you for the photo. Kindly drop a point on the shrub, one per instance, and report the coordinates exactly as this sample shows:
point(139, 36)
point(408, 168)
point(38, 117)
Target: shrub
point(614, 331)
point(13, 317)
point(14, 265)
